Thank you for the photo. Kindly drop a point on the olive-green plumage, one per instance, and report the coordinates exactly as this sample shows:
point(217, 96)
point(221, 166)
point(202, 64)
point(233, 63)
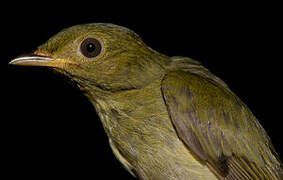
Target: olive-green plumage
point(166, 117)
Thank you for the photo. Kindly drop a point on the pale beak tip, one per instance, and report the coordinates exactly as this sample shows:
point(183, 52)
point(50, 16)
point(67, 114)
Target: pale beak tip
point(13, 62)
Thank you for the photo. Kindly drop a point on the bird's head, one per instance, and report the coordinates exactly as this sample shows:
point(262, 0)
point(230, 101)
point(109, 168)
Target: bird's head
point(105, 56)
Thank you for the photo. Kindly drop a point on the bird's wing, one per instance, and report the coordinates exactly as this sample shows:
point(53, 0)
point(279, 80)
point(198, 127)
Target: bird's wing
point(217, 128)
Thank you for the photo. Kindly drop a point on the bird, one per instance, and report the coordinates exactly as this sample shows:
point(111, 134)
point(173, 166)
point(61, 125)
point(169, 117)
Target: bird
point(165, 117)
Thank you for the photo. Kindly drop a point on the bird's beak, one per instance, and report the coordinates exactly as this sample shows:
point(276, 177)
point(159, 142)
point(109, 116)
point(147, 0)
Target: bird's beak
point(38, 60)
point(32, 60)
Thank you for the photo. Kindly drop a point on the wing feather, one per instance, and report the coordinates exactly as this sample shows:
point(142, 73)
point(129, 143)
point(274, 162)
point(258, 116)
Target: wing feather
point(217, 127)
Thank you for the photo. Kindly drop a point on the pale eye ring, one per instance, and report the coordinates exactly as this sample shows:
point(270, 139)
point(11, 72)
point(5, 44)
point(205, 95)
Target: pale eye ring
point(90, 47)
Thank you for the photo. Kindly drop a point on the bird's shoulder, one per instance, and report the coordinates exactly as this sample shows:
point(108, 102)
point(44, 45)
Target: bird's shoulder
point(191, 67)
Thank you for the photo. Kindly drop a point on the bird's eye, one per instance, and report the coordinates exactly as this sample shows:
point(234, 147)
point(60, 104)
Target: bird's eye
point(90, 47)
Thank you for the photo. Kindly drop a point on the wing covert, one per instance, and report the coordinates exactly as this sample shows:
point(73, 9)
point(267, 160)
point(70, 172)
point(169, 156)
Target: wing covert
point(218, 128)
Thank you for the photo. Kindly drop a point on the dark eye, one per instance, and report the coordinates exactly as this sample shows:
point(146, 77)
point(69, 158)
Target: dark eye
point(90, 47)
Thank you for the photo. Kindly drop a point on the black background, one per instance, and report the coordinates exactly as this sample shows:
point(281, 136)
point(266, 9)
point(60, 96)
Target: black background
point(51, 130)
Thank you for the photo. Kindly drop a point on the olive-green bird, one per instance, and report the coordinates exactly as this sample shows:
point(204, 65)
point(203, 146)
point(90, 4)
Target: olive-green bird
point(166, 117)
